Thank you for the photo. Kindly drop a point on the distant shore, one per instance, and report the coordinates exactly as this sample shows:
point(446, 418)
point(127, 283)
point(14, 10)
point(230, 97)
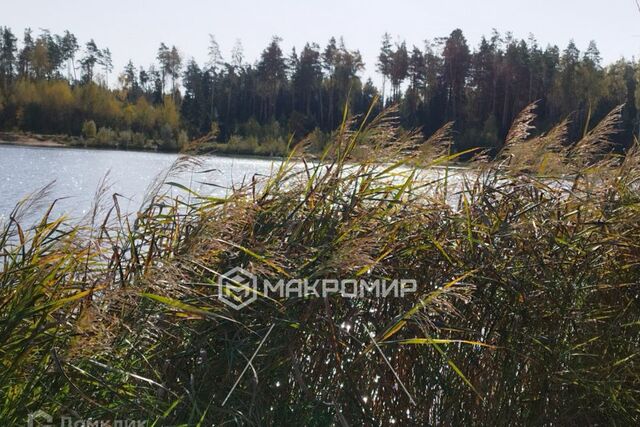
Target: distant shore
point(30, 140)
point(64, 141)
point(34, 143)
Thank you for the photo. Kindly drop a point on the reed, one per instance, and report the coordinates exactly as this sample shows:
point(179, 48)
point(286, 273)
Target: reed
point(527, 308)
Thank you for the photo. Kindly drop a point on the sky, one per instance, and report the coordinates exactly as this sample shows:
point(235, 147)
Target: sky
point(133, 29)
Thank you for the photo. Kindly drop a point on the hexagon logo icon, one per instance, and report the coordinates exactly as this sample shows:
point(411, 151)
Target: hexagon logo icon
point(39, 418)
point(237, 288)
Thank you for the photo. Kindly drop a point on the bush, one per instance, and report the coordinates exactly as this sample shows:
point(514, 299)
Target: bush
point(125, 137)
point(183, 139)
point(272, 147)
point(168, 141)
point(250, 128)
point(317, 141)
point(137, 140)
point(106, 137)
point(89, 129)
point(239, 145)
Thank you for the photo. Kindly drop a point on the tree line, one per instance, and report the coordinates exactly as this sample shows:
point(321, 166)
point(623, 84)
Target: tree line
point(53, 84)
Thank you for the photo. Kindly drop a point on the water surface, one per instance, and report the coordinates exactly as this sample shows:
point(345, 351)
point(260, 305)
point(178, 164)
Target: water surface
point(77, 174)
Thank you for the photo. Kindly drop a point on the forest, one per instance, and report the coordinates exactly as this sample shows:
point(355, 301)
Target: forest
point(54, 84)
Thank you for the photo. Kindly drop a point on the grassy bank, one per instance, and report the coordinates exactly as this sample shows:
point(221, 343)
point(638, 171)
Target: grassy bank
point(34, 140)
point(105, 139)
point(125, 140)
point(527, 307)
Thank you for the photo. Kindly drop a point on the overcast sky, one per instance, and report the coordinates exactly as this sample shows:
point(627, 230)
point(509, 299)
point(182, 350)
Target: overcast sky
point(133, 29)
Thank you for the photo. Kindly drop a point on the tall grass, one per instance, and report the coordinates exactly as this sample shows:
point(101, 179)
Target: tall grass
point(527, 310)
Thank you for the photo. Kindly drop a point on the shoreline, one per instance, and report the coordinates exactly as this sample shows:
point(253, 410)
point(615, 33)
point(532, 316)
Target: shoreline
point(19, 140)
point(34, 143)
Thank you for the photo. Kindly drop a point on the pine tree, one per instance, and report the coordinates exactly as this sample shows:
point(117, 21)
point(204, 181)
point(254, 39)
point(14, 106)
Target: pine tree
point(8, 49)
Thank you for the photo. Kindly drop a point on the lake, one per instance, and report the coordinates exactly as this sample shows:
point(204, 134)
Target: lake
point(77, 174)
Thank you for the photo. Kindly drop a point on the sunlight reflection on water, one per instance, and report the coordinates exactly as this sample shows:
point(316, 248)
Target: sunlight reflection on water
point(78, 172)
